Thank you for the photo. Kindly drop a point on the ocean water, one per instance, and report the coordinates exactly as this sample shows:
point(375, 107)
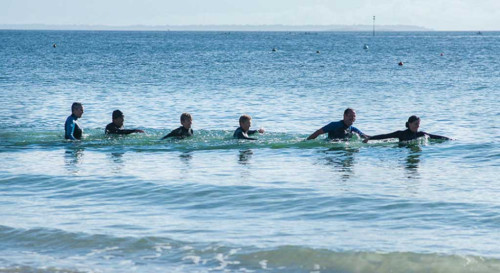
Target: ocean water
point(279, 204)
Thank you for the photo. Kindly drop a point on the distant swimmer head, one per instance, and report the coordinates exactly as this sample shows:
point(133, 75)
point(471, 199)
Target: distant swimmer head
point(186, 120)
point(118, 118)
point(317, 51)
point(77, 109)
point(245, 122)
point(274, 49)
point(400, 63)
point(54, 45)
point(365, 46)
point(349, 116)
point(413, 123)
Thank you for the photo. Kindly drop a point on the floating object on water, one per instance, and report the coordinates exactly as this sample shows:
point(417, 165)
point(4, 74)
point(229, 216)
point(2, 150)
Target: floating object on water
point(54, 45)
point(400, 63)
point(274, 49)
point(365, 46)
point(317, 51)
point(442, 54)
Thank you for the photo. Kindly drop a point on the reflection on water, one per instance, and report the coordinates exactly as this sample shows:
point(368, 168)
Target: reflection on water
point(186, 157)
point(117, 160)
point(245, 156)
point(73, 157)
point(342, 158)
point(412, 159)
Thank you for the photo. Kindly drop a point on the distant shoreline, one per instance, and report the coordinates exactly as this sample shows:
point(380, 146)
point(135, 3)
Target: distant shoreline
point(325, 28)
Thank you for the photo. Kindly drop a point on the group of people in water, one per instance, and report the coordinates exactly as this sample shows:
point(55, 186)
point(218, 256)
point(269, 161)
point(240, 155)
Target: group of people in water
point(342, 129)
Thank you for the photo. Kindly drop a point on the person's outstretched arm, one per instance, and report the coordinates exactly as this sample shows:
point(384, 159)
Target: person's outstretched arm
point(383, 136)
point(316, 134)
point(361, 134)
point(437, 136)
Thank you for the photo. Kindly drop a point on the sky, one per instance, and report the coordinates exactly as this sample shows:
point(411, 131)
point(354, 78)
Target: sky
point(433, 14)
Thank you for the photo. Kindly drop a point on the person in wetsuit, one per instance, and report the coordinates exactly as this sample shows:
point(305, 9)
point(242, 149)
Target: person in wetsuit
point(116, 126)
point(72, 129)
point(340, 129)
point(244, 131)
point(409, 134)
point(183, 131)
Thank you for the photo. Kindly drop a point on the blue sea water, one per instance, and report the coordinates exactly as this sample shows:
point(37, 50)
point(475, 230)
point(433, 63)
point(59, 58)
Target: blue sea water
point(279, 204)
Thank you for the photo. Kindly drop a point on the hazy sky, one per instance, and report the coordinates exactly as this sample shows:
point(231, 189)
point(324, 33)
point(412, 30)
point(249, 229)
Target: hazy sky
point(434, 14)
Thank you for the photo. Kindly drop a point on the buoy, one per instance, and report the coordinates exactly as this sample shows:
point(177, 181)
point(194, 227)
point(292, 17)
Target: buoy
point(317, 51)
point(365, 46)
point(400, 63)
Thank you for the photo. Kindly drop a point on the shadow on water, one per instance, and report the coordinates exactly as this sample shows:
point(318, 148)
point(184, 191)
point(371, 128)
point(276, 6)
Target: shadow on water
point(342, 159)
point(73, 157)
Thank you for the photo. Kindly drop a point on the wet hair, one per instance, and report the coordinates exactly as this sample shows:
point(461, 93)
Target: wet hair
point(346, 111)
point(245, 118)
point(117, 114)
point(410, 120)
point(76, 105)
point(186, 116)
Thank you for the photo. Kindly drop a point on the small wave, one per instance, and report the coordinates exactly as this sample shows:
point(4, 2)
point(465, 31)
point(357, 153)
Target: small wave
point(50, 250)
point(302, 259)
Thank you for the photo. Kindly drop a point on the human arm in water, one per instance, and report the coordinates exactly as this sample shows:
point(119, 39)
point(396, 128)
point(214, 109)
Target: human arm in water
point(316, 134)
point(431, 136)
point(111, 129)
point(251, 132)
point(383, 136)
point(361, 134)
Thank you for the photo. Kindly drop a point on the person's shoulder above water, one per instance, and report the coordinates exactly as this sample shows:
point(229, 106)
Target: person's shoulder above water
point(340, 129)
point(180, 132)
point(115, 127)
point(72, 129)
point(243, 131)
point(410, 133)
point(183, 131)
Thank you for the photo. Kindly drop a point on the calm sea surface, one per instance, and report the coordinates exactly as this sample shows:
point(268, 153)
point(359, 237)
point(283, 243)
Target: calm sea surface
point(279, 204)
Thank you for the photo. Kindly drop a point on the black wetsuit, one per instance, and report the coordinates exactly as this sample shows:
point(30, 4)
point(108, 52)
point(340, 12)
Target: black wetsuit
point(338, 130)
point(113, 129)
point(71, 128)
point(180, 132)
point(240, 134)
point(406, 135)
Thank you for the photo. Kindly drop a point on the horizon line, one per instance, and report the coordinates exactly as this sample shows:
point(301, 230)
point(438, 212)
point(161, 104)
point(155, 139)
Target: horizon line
point(217, 27)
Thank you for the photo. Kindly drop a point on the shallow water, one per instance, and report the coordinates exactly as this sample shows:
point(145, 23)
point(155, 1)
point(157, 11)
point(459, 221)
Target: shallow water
point(279, 204)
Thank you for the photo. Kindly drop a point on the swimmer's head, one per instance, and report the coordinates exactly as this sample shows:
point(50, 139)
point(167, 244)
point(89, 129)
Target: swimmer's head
point(77, 109)
point(349, 116)
point(245, 122)
point(413, 123)
point(118, 118)
point(186, 120)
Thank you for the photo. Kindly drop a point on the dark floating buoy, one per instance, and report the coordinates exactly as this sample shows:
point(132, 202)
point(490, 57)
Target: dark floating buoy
point(400, 63)
point(317, 51)
point(54, 45)
point(274, 49)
